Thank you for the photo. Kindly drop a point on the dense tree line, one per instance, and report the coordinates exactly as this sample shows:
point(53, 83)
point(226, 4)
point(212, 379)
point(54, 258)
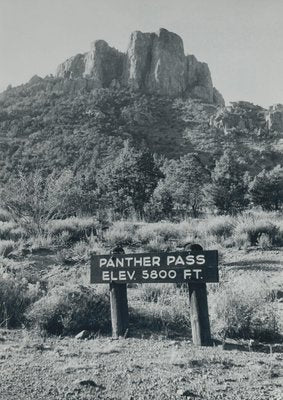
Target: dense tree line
point(137, 183)
point(85, 151)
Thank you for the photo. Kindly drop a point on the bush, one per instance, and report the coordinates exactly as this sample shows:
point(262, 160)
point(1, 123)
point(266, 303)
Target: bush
point(6, 247)
point(163, 309)
point(4, 215)
point(73, 228)
point(279, 236)
point(122, 232)
point(264, 242)
point(221, 226)
point(247, 226)
point(243, 308)
point(70, 309)
point(164, 230)
point(40, 241)
point(152, 293)
point(5, 229)
point(156, 245)
point(15, 296)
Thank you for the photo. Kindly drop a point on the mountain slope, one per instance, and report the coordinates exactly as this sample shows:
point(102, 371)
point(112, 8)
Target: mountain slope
point(68, 122)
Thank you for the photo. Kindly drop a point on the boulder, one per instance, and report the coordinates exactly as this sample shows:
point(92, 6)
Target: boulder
point(82, 335)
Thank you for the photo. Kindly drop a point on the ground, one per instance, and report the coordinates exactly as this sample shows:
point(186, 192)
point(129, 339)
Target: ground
point(133, 368)
point(143, 366)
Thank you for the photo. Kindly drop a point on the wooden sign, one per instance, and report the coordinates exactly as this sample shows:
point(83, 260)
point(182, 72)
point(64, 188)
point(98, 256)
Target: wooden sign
point(185, 266)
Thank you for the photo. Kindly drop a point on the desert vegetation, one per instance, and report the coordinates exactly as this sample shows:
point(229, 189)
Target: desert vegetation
point(85, 170)
point(45, 274)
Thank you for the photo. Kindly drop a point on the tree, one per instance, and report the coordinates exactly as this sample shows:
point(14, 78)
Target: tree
point(185, 180)
point(36, 198)
point(161, 203)
point(128, 182)
point(266, 189)
point(27, 198)
point(228, 189)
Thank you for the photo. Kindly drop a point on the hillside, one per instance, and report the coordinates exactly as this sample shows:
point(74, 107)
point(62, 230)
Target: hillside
point(51, 124)
point(80, 118)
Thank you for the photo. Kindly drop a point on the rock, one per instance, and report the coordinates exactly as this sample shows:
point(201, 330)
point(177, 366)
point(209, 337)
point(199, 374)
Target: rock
point(35, 79)
point(138, 60)
point(167, 73)
point(274, 118)
point(185, 392)
point(82, 335)
point(87, 382)
point(103, 63)
point(218, 98)
point(203, 88)
point(154, 63)
point(192, 67)
point(242, 116)
point(72, 68)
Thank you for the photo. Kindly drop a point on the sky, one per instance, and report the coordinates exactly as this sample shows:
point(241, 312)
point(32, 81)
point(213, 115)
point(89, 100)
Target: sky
point(241, 40)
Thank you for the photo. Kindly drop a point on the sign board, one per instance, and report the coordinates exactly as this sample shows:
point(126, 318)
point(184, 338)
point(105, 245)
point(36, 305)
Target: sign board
point(185, 266)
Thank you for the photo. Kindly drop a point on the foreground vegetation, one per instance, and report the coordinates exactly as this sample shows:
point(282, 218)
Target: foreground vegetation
point(84, 170)
point(44, 281)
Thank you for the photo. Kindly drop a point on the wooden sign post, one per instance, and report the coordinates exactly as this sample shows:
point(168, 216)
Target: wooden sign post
point(119, 304)
point(194, 266)
point(199, 308)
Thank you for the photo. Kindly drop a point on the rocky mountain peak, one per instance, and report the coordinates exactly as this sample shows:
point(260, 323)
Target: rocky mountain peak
point(154, 63)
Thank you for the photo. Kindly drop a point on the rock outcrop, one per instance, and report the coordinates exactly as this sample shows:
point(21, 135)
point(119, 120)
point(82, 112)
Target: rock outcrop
point(72, 68)
point(241, 116)
point(104, 63)
point(274, 118)
point(218, 98)
point(154, 63)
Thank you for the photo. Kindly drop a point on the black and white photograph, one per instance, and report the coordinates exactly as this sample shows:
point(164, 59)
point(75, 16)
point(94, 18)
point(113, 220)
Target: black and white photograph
point(141, 199)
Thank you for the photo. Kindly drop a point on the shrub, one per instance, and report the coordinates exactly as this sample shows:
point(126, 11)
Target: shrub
point(279, 236)
point(164, 230)
point(4, 215)
point(163, 309)
point(264, 242)
point(6, 247)
point(76, 228)
point(220, 226)
point(253, 229)
point(5, 229)
point(70, 309)
point(17, 233)
point(122, 232)
point(40, 241)
point(15, 296)
point(155, 245)
point(161, 293)
point(243, 308)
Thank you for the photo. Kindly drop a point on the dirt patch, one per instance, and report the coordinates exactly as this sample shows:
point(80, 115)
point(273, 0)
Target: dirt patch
point(132, 369)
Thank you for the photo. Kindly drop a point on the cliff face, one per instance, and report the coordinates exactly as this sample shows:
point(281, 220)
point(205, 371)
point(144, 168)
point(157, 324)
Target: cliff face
point(154, 63)
point(274, 118)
